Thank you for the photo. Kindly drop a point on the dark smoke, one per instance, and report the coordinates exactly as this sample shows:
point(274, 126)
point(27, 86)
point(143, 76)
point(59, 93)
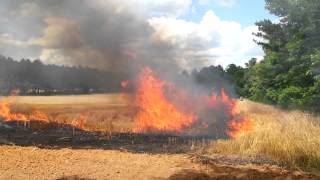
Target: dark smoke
point(106, 35)
point(99, 34)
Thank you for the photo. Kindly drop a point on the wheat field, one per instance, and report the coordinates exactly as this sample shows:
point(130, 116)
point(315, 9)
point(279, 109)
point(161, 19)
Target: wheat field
point(103, 112)
point(291, 137)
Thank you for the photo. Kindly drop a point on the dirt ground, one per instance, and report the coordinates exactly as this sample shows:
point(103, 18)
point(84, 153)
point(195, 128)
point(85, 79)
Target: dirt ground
point(35, 163)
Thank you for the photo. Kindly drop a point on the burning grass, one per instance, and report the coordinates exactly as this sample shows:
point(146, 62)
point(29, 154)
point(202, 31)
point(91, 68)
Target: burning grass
point(289, 137)
point(157, 113)
point(157, 106)
point(167, 108)
point(107, 112)
point(255, 129)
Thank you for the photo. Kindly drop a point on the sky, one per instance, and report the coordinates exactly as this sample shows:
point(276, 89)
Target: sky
point(245, 12)
point(113, 34)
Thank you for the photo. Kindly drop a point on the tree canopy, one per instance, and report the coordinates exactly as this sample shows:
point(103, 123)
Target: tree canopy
point(289, 74)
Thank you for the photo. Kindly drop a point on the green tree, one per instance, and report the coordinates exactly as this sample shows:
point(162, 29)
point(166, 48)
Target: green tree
point(289, 74)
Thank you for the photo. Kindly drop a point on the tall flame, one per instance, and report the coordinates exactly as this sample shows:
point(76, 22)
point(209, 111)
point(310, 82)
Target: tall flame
point(157, 113)
point(238, 124)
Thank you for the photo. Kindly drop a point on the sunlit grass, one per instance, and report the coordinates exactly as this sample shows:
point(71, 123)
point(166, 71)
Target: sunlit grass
point(289, 137)
point(103, 112)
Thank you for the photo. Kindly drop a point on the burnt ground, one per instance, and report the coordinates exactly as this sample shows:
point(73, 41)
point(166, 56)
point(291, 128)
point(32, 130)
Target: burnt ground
point(55, 136)
point(55, 151)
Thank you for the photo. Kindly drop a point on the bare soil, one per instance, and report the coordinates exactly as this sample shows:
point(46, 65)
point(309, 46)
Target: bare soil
point(37, 163)
point(34, 163)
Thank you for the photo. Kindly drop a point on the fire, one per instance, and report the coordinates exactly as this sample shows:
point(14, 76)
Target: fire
point(38, 116)
point(163, 108)
point(157, 113)
point(7, 115)
point(80, 122)
point(238, 124)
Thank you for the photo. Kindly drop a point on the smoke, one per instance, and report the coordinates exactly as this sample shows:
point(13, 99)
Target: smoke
point(110, 35)
point(113, 35)
point(100, 34)
point(120, 35)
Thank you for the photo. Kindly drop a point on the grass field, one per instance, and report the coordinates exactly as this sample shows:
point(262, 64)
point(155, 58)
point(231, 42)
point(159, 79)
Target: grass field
point(289, 137)
point(104, 112)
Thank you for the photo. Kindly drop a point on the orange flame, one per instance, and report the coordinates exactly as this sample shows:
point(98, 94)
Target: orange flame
point(160, 104)
point(238, 124)
point(157, 113)
point(80, 122)
point(7, 115)
point(38, 116)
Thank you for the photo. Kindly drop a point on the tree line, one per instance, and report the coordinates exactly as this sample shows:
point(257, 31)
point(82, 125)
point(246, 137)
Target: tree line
point(36, 78)
point(289, 74)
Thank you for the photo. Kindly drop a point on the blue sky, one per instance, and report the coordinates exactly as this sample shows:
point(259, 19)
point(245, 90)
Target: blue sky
point(246, 12)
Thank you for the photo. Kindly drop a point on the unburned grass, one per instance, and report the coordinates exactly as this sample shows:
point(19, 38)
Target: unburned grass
point(289, 137)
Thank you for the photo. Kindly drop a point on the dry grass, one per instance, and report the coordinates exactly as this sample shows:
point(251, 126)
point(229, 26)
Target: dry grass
point(290, 137)
point(116, 99)
point(104, 112)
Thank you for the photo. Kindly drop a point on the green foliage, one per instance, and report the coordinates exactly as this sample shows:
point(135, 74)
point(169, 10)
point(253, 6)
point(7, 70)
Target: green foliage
point(236, 75)
point(289, 74)
point(291, 96)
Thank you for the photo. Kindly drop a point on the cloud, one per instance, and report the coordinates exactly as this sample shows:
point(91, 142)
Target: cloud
point(17, 48)
point(211, 41)
point(166, 8)
point(225, 3)
point(9, 40)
